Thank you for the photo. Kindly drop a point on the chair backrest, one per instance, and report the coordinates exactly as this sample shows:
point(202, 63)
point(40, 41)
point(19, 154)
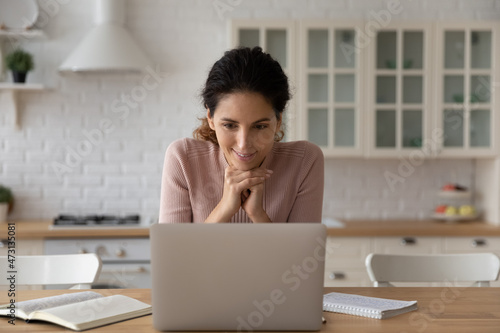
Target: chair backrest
point(73, 269)
point(472, 267)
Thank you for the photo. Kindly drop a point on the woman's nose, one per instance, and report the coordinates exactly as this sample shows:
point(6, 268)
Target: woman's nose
point(243, 139)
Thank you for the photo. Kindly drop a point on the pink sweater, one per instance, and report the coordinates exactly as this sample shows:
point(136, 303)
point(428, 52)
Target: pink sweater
point(193, 176)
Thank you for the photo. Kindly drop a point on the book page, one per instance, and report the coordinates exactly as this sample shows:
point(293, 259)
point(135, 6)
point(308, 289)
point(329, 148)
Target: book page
point(93, 313)
point(53, 301)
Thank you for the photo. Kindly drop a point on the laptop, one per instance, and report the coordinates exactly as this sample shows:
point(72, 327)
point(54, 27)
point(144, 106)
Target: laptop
point(237, 277)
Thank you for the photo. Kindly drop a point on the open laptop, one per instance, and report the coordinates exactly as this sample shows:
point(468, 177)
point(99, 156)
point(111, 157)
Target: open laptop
point(237, 277)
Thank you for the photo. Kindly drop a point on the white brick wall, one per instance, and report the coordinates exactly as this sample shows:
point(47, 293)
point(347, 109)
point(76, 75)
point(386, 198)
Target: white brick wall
point(121, 172)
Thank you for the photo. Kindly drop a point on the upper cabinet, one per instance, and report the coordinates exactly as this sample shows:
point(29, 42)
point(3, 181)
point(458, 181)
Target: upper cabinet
point(398, 101)
point(405, 89)
point(331, 87)
point(466, 94)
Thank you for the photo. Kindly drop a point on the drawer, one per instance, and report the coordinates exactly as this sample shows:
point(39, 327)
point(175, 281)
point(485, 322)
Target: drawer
point(472, 244)
point(407, 245)
point(340, 277)
point(23, 247)
point(347, 252)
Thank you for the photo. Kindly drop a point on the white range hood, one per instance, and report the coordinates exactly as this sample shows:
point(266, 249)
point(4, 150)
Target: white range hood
point(108, 47)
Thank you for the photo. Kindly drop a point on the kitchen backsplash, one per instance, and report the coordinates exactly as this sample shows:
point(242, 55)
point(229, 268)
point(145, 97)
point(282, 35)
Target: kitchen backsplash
point(95, 143)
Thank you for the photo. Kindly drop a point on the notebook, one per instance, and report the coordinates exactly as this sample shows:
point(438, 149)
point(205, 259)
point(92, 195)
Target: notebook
point(237, 277)
point(372, 307)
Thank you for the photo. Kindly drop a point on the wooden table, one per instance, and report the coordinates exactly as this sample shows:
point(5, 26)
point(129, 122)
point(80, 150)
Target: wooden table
point(442, 310)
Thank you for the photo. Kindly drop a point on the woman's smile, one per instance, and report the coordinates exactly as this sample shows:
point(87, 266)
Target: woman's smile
point(244, 157)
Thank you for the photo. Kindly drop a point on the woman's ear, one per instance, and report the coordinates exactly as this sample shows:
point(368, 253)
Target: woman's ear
point(278, 125)
point(210, 120)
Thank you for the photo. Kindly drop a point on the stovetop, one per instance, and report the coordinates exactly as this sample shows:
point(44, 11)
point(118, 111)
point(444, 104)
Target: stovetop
point(73, 221)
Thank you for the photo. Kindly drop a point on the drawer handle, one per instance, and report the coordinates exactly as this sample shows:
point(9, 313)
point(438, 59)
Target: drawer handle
point(408, 241)
point(337, 276)
point(479, 242)
point(125, 270)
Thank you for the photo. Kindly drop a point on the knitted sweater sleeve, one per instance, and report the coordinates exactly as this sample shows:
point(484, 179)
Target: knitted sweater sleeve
point(175, 203)
point(308, 203)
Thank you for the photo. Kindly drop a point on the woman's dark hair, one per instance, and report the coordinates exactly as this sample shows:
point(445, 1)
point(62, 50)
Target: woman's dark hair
point(244, 70)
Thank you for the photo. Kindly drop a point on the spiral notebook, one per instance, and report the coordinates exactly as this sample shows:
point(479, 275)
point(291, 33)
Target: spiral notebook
point(372, 307)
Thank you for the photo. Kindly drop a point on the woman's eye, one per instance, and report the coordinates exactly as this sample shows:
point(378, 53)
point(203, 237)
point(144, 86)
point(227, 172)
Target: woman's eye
point(261, 127)
point(229, 126)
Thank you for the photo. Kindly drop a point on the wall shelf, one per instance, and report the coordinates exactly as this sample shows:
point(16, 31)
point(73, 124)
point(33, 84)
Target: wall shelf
point(9, 91)
point(18, 34)
point(9, 94)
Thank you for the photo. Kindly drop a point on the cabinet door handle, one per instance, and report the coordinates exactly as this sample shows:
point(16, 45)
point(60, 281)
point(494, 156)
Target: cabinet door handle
point(139, 269)
point(479, 242)
point(408, 241)
point(337, 276)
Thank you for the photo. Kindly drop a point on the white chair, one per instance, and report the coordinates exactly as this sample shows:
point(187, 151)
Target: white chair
point(470, 267)
point(74, 269)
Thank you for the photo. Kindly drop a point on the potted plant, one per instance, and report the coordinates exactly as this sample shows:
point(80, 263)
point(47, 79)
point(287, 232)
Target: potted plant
point(20, 63)
point(6, 202)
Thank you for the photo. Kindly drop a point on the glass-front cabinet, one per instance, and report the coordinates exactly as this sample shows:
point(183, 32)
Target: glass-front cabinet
point(331, 62)
point(278, 39)
point(467, 96)
point(399, 104)
point(408, 89)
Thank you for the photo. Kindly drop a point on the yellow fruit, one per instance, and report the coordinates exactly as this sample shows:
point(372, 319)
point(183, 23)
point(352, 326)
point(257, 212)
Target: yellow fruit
point(466, 210)
point(451, 210)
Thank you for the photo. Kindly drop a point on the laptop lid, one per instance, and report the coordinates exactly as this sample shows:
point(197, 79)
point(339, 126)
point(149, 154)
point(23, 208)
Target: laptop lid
point(237, 277)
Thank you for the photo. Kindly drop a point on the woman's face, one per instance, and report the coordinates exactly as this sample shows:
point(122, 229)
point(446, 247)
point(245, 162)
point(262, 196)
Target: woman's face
point(245, 125)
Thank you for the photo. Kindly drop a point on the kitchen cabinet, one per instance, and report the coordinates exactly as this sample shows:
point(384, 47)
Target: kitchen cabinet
point(331, 89)
point(399, 90)
point(467, 74)
point(417, 89)
point(345, 260)
point(23, 247)
point(431, 90)
point(407, 245)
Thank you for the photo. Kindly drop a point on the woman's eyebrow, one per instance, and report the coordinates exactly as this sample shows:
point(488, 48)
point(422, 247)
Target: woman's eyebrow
point(263, 119)
point(229, 120)
point(255, 122)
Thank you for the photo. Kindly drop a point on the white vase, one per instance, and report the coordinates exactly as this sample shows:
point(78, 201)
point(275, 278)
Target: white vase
point(4, 207)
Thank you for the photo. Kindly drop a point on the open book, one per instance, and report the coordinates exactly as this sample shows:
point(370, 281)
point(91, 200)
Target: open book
point(79, 311)
point(372, 307)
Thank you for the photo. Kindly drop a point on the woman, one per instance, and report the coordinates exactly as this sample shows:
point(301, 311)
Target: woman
point(236, 170)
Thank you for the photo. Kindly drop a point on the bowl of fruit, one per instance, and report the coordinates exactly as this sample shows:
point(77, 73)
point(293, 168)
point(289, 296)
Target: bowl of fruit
point(460, 210)
point(454, 213)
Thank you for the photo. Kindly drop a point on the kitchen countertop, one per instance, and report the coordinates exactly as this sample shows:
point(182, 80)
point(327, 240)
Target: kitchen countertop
point(41, 230)
point(401, 228)
point(365, 228)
